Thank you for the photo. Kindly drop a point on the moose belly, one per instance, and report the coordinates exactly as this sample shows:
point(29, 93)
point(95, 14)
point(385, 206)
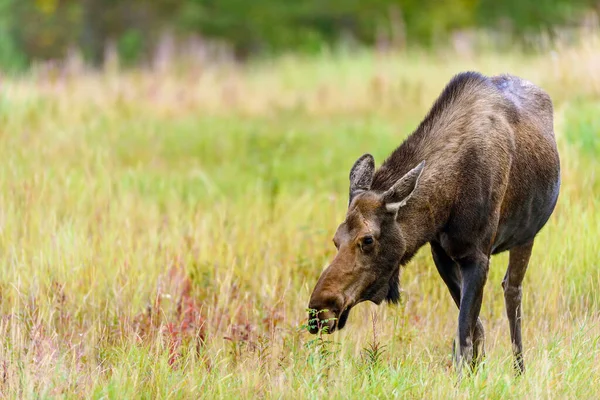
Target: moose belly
point(525, 219)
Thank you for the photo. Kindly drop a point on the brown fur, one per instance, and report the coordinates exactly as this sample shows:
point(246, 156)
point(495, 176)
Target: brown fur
point(490, 182)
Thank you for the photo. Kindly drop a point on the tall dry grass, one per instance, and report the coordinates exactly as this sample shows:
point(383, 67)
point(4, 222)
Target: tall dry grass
point(161, 231)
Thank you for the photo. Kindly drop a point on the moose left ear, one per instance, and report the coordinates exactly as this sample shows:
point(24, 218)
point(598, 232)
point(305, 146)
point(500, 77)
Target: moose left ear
point(361, 175)
point(397, 196)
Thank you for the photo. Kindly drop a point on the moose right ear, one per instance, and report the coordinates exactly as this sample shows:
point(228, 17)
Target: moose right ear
point(397, 196)
point(361, 175)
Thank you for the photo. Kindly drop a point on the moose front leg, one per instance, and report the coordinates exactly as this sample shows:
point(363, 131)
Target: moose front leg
point(450, 273)
point(474, 275)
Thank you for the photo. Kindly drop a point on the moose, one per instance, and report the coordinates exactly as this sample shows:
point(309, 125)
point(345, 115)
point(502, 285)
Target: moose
point(479, 176)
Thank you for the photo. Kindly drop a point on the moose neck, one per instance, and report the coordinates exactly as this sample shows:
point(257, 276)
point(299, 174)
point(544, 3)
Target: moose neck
point(441, 134)
point(417, 226)
point(419, 219)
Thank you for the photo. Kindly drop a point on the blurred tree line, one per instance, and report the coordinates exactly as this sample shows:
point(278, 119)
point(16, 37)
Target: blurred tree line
point(49, 29)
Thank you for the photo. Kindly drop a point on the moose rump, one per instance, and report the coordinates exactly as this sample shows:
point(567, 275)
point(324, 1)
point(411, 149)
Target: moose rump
point(479, 176)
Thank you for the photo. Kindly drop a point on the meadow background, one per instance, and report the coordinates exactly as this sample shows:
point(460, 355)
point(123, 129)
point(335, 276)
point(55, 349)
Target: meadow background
point(162, 228)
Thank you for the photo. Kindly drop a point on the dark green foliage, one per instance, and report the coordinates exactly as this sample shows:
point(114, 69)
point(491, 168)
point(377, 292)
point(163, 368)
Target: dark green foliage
point(46, 29)
point(10, 56)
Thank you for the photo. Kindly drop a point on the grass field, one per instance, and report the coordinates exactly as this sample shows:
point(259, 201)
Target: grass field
point(161, 232)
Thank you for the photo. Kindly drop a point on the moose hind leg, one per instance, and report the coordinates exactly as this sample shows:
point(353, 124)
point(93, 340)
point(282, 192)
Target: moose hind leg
point(512, 285)
point(450, 273)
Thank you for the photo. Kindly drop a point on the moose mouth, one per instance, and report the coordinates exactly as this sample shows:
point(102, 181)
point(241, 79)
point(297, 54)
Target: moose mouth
point(329, 322)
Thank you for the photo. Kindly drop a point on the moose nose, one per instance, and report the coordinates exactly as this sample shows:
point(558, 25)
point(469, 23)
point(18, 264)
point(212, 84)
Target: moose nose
point(322, 316)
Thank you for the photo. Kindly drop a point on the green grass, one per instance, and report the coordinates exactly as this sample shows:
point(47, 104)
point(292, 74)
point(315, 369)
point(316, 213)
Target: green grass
point(160, 234)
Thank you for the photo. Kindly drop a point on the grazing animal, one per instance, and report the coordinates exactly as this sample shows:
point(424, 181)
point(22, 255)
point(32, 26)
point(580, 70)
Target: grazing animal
point(479, 176)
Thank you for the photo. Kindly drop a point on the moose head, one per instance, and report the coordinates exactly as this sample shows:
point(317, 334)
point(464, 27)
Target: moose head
point(370, 246)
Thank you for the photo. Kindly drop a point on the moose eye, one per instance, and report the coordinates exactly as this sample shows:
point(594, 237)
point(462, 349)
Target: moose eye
point(367, 240)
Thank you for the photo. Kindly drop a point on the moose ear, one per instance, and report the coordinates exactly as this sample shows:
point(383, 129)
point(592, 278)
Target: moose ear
point(397, 196)
point(361, 175)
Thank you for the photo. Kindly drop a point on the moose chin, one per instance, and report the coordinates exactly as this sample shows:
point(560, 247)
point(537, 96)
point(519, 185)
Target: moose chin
point(479, 176)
